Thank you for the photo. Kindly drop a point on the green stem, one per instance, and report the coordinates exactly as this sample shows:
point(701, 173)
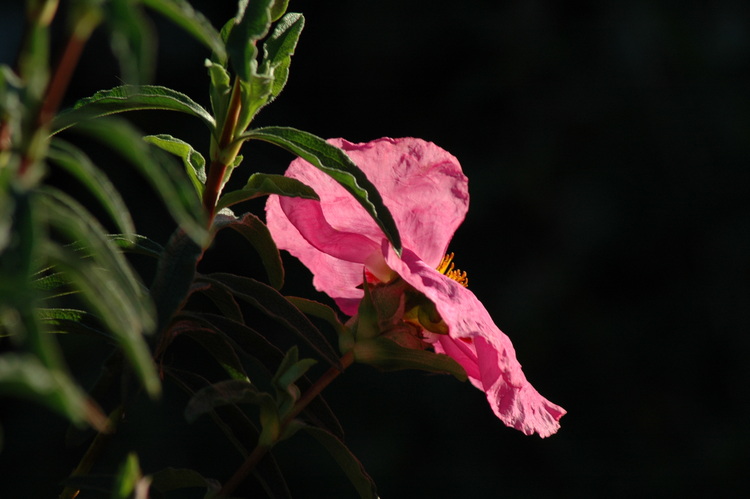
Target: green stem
point(254, 458)
point(227, 152)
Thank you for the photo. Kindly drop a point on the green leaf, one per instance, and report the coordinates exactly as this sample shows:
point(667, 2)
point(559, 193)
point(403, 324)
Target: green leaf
point(23, 375)
point(105, 279)
point(215, 344)
point(334, 162)
point(251, 228)
point(170, 479)
point(75, 162)
point(182, 13)
point(234, 392)
point(130, 98)
point(138, 244)
point(251, 23)
point(132, 40)
point(175, 190)
point(174, 277)
point(347, 461)
point(220, 89)
point(129, 481)
point(279, 48)
point(263, 184)
point(278, 8)
point(195, 163)
point(223, 300)
point(319, 310)
point(274, 305)
point(386, 354)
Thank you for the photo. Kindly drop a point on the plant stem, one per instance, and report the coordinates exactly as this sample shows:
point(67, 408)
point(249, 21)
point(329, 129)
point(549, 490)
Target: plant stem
point(92, 453)
point(227, 152)
point(254, 458)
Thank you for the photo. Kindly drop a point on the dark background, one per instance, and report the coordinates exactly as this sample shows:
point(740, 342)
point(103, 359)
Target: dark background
point(607, 146)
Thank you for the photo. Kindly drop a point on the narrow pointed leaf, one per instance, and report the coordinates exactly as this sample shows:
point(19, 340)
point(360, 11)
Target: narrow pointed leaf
point(175, 190)
point(347, 461)
point(279, 49)
point(251, 24)
point(223, 300)
point(131, 40)
point(75, 162)
point(251, 228)
point(319, 310)
point(214, 344)
point(182, 13)
point(138, 244)
point(25, 376)
point(334, 162)
point(230, 392)
point(263, 184)
point(130, 98)
point(274, 305)
point(170, 479)
point(195, 163)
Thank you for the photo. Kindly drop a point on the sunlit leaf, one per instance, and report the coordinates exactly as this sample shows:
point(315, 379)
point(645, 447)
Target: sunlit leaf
point(334, 162)
point(279, 48)
point(195, 163)
point(263, 184)
point(130, 98)
point(251, 24)
point(156, 167)
point(129, 482)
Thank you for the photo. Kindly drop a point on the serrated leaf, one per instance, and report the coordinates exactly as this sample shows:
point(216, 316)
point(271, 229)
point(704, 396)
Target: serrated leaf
point(255, 231)
point(263, 184)
point(274, 305)
point(23, 375)
point(130, 98)
point(335, 163)
point(175, 190)
point(182, 13)
point(347, 461)
point(195, 163)
point(75, 162)
point(251, 24)
point(279, 48)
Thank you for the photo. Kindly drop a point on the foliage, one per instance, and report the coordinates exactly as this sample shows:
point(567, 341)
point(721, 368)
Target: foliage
point(62, 271)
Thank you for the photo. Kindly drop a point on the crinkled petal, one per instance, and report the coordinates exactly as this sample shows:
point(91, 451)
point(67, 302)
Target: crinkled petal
point(485, 352)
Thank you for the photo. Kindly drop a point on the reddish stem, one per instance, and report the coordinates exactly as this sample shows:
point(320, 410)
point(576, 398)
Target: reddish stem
point(260, 451)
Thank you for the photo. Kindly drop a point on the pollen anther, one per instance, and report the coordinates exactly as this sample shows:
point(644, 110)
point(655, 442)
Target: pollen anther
point(447, 267)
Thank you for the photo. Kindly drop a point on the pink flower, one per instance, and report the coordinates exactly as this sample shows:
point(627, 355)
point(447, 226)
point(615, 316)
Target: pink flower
point(427, 193)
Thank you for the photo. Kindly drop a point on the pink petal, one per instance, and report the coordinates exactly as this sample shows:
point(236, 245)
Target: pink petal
point(484, 351)
point(421, 184)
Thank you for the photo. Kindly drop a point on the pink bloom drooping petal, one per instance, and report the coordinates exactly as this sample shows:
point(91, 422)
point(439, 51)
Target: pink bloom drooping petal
point(421, 184)
point(425, 190)
point(485, 352)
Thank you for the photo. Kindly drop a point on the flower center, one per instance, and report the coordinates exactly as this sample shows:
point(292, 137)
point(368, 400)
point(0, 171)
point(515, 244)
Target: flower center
point(447, 268)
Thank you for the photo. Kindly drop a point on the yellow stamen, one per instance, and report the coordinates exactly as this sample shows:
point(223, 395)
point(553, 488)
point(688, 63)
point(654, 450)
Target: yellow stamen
point(447, 267)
